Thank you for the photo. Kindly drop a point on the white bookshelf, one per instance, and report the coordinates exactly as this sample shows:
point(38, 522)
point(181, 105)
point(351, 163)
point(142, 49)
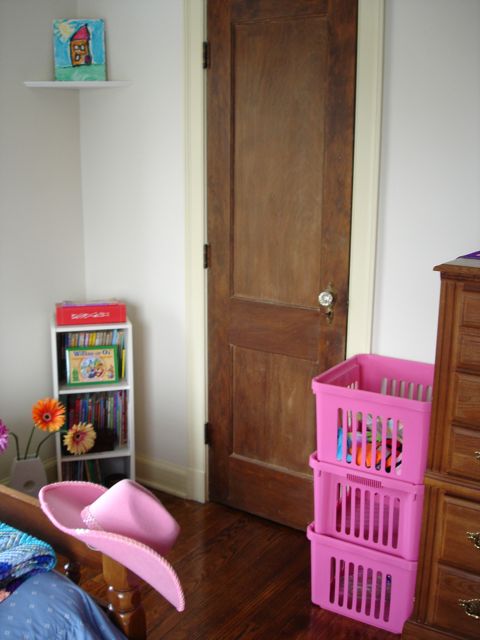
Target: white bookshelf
point(119, 459)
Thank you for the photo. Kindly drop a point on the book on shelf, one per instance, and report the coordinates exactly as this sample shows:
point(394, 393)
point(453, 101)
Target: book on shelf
point(92, 471)
point(78, 470)
point(74, 470)
point(91, 365)
point(94, 312)
point(93, 339)
point(106, 412)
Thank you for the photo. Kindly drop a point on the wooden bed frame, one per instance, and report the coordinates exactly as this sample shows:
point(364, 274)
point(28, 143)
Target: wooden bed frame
point(124, 600)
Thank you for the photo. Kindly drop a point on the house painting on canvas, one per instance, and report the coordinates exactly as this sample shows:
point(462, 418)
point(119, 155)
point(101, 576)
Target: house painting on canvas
point(79, 49)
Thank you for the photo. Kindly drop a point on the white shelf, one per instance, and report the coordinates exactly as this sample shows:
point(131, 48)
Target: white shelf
point(64, 389)
point(101, 455)
point(87, 84)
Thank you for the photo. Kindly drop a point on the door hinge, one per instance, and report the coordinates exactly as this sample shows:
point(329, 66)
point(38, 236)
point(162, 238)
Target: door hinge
point(206, 55)
point(206, 256)
point(208, 434)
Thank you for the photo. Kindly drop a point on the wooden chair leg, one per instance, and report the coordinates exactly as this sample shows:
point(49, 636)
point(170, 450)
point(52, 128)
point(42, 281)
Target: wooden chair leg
point(124, 600)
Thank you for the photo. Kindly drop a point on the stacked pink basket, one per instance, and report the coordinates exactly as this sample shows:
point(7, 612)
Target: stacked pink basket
point(373, 416)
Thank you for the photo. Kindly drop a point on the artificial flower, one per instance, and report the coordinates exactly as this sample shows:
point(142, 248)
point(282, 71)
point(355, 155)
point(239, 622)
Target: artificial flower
point(80, 438)
point(48, 414)
point(3, 436)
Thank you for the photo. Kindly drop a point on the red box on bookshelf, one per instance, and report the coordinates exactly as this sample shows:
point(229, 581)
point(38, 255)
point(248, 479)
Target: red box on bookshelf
point(96, 312)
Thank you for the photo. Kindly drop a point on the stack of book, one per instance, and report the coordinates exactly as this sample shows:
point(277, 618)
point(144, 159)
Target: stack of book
point(106, 411)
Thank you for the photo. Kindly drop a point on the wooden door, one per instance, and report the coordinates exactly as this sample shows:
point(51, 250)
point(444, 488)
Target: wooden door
point(280, 89)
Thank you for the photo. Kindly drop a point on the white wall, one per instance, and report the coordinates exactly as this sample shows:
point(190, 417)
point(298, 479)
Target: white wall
point(41, 228)
point(133, 186)
point(429, 208)
point(92, 205)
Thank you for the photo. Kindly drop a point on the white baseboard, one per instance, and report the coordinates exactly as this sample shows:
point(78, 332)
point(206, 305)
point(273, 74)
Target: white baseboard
point(157, 474)
point(170, 478)
point(196, 485)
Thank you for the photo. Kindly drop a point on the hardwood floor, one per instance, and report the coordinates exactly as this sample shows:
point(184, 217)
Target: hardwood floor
point(244, 578)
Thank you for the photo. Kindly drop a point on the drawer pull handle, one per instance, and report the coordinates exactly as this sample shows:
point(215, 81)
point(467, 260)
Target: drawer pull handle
point(474, 536)
point(477, 455)
point(472, 608)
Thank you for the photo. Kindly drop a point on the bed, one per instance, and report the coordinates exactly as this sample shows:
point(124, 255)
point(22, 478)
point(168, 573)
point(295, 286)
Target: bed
point(124, 605)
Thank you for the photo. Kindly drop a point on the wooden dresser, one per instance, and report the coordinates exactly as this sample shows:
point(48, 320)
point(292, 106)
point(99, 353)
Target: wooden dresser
point(448, 585)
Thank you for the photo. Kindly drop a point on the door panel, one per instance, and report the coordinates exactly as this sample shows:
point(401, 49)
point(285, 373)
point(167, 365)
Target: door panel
point(279, 154)
point(268, 390)
point(277, 166)
point(275, 329)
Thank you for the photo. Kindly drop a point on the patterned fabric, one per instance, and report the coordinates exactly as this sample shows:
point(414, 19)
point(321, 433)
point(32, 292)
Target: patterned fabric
point(50, 607)
point(21, 556)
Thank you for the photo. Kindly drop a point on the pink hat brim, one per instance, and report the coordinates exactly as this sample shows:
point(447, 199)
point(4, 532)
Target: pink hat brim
point(63, 503)
point(143, 561)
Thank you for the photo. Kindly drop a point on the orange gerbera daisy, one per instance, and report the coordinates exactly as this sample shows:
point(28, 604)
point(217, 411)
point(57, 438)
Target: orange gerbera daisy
point(80, 438)
point(48, 414)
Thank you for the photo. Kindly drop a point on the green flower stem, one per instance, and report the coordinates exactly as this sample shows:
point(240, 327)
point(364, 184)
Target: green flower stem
point(17, 447)
point(44, 440)
point(28, 443)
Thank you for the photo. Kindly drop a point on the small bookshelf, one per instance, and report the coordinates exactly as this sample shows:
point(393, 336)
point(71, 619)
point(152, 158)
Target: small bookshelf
point(93, 398)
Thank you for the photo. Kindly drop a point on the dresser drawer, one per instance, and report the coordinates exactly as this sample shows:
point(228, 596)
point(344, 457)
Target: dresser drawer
point(466, 399)
point(446, 612)
point(468, 354)
point(463, 453)
point(457, 519)
point(470, 307)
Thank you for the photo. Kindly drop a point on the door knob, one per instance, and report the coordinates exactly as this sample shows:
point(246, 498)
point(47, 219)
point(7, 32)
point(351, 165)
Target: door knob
point(327, 299)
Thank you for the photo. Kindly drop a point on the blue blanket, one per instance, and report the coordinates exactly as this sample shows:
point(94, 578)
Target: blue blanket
point(21, 556)
point(50, 607)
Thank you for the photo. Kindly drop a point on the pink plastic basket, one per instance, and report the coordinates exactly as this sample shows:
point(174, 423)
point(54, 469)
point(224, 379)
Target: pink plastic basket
point(373, 414)
point(360, 583)
point(379, 513)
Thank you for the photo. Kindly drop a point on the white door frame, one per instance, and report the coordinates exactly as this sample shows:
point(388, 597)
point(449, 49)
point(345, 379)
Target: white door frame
point(364, 213)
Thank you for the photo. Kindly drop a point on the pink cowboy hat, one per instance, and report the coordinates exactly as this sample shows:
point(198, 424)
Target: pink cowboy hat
point(126, 522)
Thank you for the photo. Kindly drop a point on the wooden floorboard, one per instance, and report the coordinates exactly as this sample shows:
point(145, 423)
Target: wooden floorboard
point(244, 578)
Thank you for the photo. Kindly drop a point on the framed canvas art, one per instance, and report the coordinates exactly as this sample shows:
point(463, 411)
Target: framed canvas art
point(79, 49)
